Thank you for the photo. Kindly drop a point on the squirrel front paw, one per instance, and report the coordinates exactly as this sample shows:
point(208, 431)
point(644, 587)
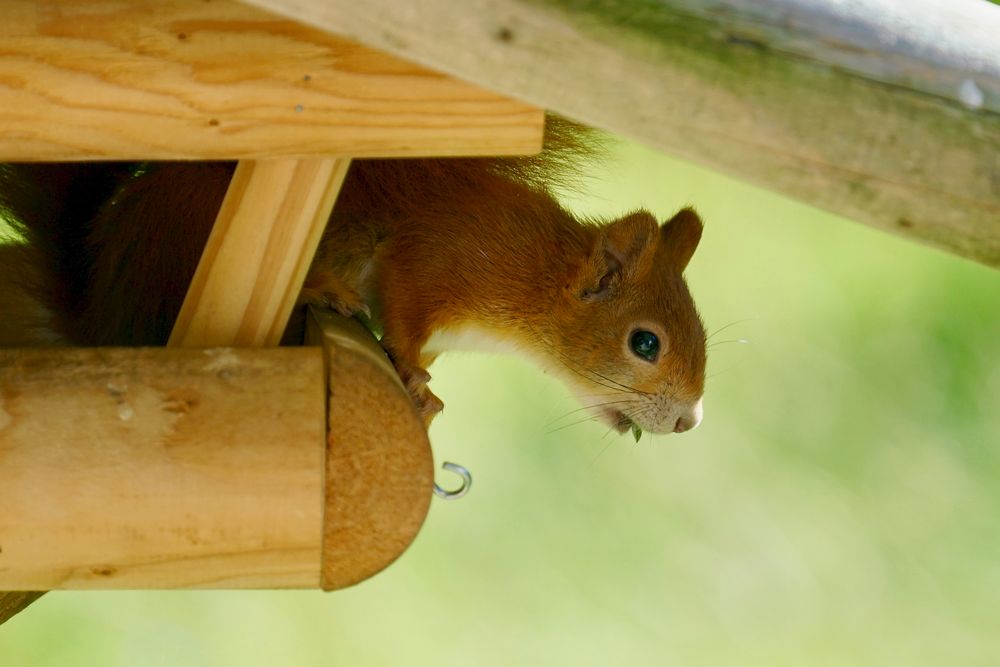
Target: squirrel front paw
point(329, 291)
point(428, 405)
point(415, 380)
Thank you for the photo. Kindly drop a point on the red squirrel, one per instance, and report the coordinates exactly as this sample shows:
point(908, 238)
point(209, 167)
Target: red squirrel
point(441, 253)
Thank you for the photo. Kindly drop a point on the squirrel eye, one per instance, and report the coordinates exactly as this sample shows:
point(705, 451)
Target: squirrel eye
point(644, 344)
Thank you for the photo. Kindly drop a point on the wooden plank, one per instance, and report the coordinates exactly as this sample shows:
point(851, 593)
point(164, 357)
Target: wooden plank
point(186, 79)
point(883, 112)
point(258, 253)
point(379, 469)
point(161, 468)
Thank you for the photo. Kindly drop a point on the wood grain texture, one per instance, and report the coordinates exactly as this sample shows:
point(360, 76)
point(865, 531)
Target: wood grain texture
point(885, 116)
point(258, 253)
point(187, 79)
point(158, 468)
point(379, 471)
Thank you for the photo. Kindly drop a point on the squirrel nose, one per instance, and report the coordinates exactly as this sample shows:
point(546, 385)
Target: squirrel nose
point(688, 421)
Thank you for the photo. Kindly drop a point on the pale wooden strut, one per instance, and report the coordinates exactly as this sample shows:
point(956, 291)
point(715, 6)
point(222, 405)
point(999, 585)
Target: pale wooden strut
point(258, 253)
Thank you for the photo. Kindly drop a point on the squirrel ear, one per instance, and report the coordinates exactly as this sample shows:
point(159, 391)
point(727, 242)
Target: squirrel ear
point(680, 236)
point(630, 239)
point(624, 244)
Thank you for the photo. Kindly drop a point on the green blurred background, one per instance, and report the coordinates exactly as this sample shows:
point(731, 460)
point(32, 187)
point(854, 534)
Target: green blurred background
point(840, 504)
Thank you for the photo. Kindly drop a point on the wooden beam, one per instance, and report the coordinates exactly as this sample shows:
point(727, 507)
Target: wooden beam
point(161, 468)
point(258, 253)
point(883, 112)
point(186, 79)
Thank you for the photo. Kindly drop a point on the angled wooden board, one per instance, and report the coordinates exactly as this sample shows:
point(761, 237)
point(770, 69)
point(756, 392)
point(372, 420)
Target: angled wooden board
point(259, 251)
point(884, 112)
point(186, 79)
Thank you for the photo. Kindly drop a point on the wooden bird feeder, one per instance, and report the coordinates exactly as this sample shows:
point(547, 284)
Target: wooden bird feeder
point(222, 461)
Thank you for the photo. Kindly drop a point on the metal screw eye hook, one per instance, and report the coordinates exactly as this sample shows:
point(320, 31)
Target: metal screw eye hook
point(460, 491)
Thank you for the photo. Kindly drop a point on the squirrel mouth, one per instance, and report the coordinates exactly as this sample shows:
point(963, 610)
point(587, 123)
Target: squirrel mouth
point(622, 423)
point(617, 420)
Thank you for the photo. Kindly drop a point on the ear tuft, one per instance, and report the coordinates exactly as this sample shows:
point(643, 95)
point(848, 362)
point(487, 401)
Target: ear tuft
point(631, 238)
point(623, 246)
point(680, 236)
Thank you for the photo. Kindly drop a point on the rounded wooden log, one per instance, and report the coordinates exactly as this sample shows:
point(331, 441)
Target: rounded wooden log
point(379, 468)
point(178, 468)
point(159, 468)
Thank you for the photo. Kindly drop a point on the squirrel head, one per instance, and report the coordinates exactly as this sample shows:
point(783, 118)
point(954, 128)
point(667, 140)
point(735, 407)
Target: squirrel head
point(628, 331)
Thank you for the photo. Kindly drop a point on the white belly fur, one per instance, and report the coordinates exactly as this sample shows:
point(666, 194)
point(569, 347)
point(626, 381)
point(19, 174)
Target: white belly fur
point(471, 338)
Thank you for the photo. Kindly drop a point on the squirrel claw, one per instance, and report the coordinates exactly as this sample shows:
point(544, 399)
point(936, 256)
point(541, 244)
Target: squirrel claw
point(415, 380)
point(428, 406)
point(347, 303)
point(332, 293)
point(346, 307)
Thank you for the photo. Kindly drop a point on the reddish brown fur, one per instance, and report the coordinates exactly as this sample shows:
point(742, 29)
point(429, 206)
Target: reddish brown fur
point(650, 290)
point(450, 242)
point(502, 254)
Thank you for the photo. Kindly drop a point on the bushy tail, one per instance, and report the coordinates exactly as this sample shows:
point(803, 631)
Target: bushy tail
point(50, 207)
point(398, 187)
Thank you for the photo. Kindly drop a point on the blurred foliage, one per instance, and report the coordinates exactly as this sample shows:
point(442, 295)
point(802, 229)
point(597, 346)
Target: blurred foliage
point(840, 505)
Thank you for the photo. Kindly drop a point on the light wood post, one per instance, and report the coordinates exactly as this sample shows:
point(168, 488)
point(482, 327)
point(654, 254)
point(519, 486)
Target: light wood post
point(258, 253)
